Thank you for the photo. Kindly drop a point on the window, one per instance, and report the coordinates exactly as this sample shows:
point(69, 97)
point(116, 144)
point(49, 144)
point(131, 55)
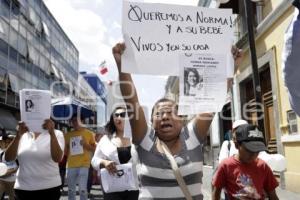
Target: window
point(33, 55)
point(1, 28)
point(45, 30)
point(4, 9)
point(24, 8)
point(4, 30)
point(13, 55)
point(45, 64)
point(292, 121)
point(23, 30)
point(2, 76)
point(22, 46)
point(32, 16)
point(13, 39)
point(3, 47)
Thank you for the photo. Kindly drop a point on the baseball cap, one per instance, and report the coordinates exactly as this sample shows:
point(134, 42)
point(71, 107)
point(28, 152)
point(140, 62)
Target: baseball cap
point(251, 138)
point(238, 123)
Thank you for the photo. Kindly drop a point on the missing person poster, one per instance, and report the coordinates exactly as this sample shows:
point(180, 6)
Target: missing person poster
point(35, 107)
point(202, 82)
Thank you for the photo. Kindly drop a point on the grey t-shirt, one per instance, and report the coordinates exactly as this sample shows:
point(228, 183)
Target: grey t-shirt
point(155, 173)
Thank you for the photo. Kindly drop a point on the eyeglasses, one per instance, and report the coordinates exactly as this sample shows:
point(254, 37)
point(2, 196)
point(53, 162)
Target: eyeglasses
point(122, 115)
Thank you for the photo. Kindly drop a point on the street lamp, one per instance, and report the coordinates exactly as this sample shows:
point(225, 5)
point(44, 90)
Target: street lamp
point(255, 73)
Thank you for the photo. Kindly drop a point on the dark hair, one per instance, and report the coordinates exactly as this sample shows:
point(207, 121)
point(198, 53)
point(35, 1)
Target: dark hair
point(75, 115)
point(188, 70)
point(110, 126)
point(161, 101)
point(4, 134)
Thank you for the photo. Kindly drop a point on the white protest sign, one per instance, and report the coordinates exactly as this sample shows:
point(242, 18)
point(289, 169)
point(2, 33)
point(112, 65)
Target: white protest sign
point(35, 107)
point(203, 83)
point(155, 35)
point(76, 147)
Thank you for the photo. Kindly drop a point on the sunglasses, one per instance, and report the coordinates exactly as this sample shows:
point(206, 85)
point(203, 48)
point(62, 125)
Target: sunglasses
point(122, 115)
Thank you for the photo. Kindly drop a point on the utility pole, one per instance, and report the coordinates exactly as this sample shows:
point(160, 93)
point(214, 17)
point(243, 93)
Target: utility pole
point(255, 73)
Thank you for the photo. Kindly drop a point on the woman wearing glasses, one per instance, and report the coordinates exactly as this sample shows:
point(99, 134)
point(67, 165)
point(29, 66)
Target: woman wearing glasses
point(114, 149)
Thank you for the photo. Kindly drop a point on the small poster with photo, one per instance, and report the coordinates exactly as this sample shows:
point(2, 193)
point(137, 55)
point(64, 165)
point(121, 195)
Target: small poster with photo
point(76, 147)
point(203, 83)
point(35, 107)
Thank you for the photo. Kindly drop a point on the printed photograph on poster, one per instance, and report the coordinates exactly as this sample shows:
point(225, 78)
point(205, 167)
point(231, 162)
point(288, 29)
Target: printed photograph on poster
point(203, 83)
point(193, 82)
point(35, 107)
point(29, 105)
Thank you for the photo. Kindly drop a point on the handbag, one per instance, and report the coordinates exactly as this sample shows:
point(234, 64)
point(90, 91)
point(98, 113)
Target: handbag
point(123, 180)
point(176, 171)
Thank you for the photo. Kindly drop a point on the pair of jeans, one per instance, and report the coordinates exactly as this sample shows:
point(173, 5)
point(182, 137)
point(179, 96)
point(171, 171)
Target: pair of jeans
point(77, 175)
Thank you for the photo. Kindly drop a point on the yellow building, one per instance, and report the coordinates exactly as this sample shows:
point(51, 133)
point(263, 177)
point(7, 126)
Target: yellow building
point(281, 125)
point(272, 18)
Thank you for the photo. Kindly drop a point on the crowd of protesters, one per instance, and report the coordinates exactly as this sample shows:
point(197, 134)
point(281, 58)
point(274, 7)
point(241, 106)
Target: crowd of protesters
point(169, 156)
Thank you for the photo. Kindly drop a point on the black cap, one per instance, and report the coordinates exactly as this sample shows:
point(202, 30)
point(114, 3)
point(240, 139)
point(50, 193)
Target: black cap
point(296, 3)
point(251, 138)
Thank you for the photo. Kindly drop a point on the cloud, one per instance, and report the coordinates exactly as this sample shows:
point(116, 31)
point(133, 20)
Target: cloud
point(85, 28)
point(179, 2)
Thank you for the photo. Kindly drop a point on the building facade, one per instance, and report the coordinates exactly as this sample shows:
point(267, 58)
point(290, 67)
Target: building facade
point(35, 53)
point(281, 125)
point(101, 100)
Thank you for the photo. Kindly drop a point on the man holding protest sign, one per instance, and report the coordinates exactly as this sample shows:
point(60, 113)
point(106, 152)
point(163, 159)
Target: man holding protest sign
point(167, 146)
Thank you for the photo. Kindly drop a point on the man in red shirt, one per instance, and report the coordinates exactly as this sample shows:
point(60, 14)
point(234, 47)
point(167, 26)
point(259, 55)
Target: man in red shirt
point(244, 176)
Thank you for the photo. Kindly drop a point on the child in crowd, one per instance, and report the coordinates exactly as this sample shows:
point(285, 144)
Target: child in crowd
point(244, 176)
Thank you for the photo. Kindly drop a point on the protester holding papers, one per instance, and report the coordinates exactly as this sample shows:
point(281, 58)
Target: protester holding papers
point(38, 154)
point(7, 180)
point(166, 146)
point(80, 144)
point(114, 150)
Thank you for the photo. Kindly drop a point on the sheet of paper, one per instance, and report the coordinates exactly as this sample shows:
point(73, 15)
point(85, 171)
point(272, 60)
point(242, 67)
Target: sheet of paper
point(203, 83)
point(76, 147)
point(123, 180)
point(156, 34)
point(35, 107)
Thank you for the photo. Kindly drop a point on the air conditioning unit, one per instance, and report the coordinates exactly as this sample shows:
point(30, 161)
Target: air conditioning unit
point(292, 121)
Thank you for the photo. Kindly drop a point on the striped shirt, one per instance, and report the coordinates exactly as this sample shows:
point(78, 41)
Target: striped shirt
point(156, 175)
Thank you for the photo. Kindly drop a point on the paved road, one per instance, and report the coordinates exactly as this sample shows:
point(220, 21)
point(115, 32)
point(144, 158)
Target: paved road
point(96, 193)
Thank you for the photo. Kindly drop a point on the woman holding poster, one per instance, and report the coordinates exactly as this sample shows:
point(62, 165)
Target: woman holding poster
point(112, 150)
point(170, 151)
point(38, 155)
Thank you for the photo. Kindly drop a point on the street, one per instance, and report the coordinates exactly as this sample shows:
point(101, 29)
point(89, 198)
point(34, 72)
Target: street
point(96, 193)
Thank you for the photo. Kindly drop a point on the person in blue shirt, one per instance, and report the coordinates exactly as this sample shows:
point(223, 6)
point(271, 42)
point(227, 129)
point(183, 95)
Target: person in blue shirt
point(291, 60)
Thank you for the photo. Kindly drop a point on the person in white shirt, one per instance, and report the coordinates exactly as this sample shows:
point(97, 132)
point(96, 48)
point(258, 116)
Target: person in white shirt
point(228, 148)
point(112, 150)
point(291, 59)
point(38, 155)
point(7, 180)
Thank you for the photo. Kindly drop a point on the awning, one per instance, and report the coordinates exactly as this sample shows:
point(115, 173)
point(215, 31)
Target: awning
point(7, 120)
point(64, 108)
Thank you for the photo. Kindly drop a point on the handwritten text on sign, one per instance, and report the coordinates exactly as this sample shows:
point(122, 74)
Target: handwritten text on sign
point(156, 33)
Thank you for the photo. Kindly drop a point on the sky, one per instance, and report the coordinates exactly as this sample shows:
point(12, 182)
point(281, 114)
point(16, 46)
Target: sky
point(94, 26)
